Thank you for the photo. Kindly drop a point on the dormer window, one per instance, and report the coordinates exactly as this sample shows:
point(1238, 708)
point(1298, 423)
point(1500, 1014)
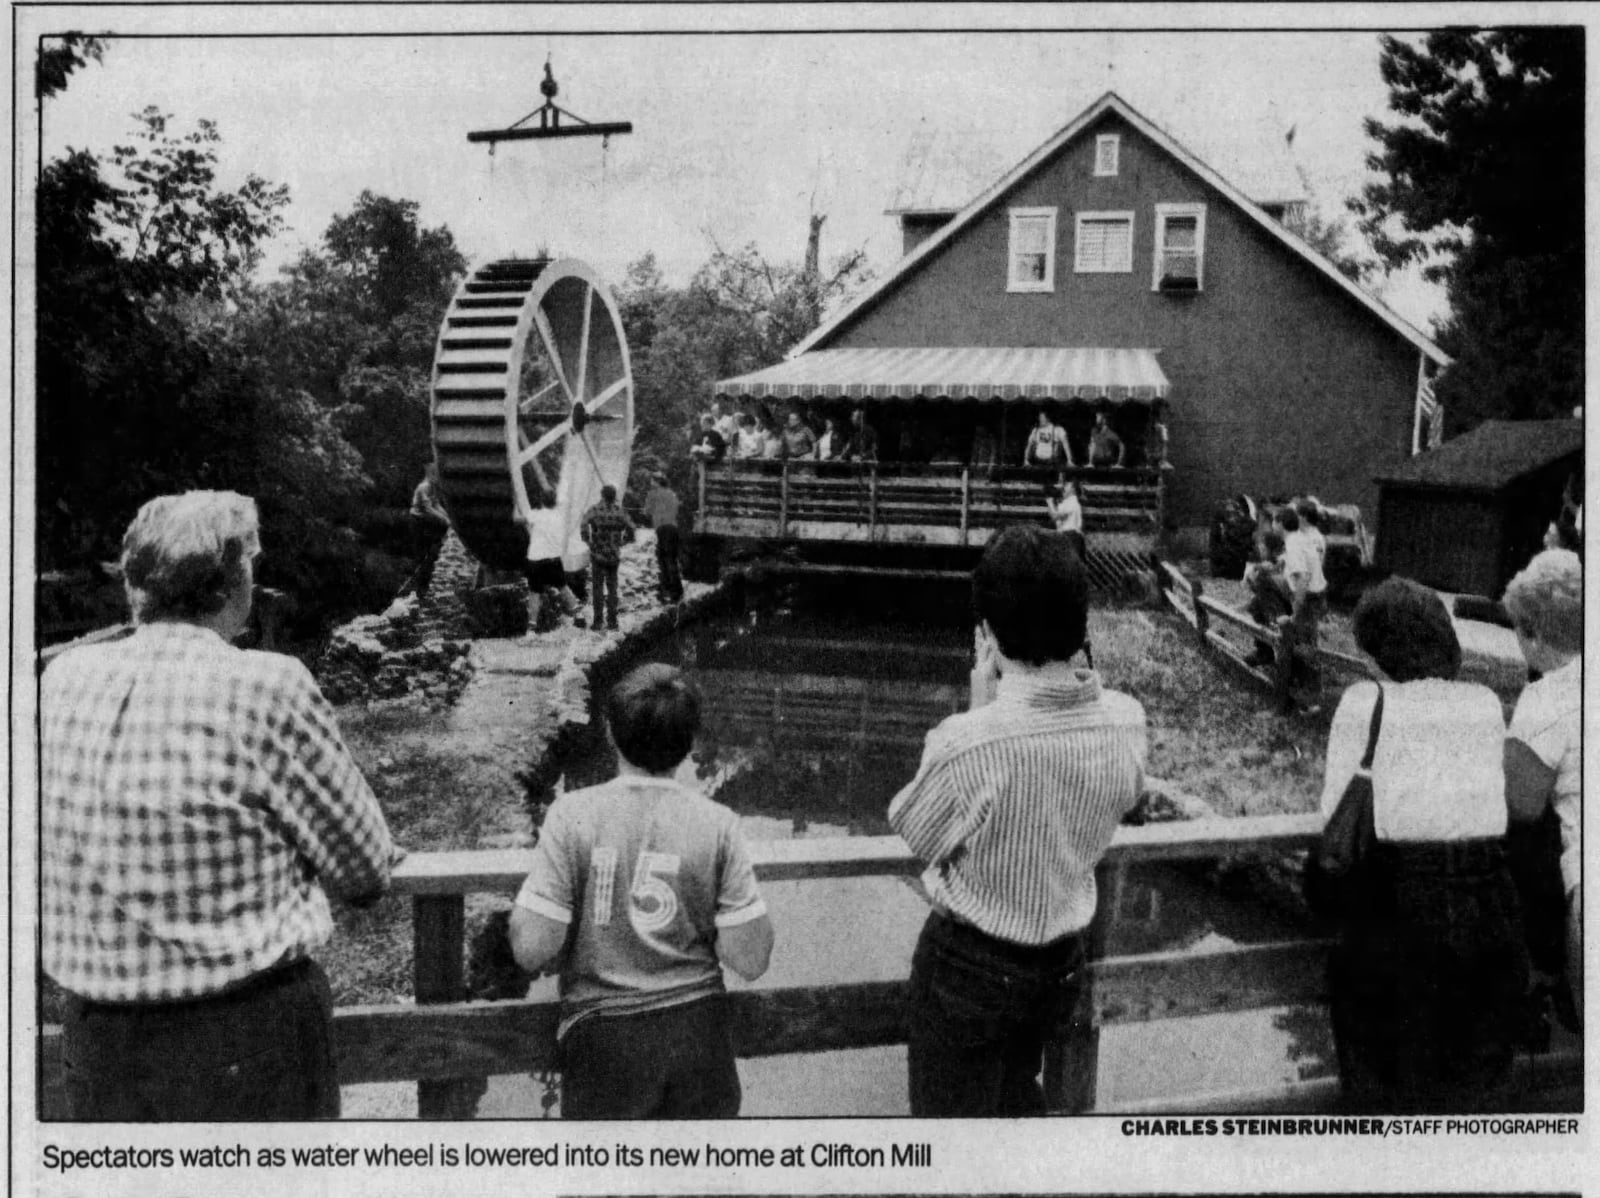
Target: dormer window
point(1180, 254)
point(1106, 150)
point(1032, 250)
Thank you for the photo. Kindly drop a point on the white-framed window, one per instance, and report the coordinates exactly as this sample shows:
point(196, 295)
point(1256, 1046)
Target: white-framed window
point(1107, 149)
point(1180, 248)
point(1104, 243)
point(1032, 254)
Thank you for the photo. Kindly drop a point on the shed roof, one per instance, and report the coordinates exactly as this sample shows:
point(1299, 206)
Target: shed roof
point(1492, 456)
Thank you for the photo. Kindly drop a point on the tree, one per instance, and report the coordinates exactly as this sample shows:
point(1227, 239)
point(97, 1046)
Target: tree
point(358, 317)
point(1482, 116)
point(153, 367)
point(59, 57)
point(740, 312)
point(1330, 237)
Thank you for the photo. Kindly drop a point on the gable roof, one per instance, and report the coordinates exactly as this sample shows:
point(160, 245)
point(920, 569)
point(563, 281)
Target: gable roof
point(1111, 102)
point(944, 168)
point(1492, 456)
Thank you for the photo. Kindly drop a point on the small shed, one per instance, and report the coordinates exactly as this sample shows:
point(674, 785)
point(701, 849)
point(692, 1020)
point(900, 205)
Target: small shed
point(1467, 516)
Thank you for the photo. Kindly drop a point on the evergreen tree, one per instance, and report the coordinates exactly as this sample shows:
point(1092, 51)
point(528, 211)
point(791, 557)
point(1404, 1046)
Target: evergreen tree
point(1483, 181)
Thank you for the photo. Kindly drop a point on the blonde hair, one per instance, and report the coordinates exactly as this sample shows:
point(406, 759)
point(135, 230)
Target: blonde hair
point(1546, 599)
point(183, 555)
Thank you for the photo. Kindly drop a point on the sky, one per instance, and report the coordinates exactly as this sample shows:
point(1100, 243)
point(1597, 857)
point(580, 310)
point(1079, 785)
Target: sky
point(739, 131)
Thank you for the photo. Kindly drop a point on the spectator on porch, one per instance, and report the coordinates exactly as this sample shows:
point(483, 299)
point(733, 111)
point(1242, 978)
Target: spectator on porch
point(831, 444)
point(1428, 980)
point(863, 443)
point(727, 425)
point(798, 439)
point(709, 446)
point(641, 892)
point(1155, 437)
point(1105, 447)
point(197, 807)
point(748, 443)
point(1047, 445)
point(1544, 748)
point(1011, 809)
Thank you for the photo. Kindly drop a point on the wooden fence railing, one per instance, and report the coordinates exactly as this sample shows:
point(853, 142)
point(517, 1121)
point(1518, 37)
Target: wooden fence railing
point(1229, 635)
point(447, 1045)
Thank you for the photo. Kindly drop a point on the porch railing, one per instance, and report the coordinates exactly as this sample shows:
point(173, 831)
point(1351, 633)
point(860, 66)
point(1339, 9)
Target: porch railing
point(907, 503)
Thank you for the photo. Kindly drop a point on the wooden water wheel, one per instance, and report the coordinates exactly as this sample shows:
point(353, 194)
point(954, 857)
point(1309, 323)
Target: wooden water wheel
point(532, 408)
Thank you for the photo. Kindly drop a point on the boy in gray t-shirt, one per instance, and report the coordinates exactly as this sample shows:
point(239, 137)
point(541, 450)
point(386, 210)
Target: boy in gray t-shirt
point(641, 890)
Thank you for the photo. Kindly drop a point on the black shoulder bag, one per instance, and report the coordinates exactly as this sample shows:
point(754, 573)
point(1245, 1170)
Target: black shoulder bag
point(1338, 878)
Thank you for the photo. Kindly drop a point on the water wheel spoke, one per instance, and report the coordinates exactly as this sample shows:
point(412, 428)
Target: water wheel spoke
point(547, 335)
point(589, 449)
point(534, 448)
point(617, 388)
point(583, 344)
point(530, 405)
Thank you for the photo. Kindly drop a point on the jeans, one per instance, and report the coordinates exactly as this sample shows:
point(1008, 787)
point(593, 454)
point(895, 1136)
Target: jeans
point(261, 1051)
point(672, 1063)
point(603, 588)
point(670, 586)
point(981, 1011)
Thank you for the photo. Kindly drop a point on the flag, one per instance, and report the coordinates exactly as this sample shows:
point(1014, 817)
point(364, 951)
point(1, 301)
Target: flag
point(1431, 412)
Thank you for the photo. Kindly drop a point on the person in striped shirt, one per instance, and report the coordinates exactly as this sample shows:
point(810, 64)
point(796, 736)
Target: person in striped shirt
point(1012, 807)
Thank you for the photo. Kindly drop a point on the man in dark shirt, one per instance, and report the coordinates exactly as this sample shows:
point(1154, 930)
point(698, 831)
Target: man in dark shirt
point(1105, 447)
point(606, 529)
point(863, 445)
point(710, 446)
point(798, 439)
point(429, 523)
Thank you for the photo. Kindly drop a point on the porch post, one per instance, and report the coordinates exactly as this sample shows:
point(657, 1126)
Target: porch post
point(783, 499)
point(966, 501)
point(872, 502)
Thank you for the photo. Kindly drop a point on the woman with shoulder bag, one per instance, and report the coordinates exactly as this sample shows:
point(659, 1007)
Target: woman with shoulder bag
point(1428, 979)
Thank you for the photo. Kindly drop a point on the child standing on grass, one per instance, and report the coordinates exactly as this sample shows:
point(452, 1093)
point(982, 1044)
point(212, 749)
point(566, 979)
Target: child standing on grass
point(641, 890)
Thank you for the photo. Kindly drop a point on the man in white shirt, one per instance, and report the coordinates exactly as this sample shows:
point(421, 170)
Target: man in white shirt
point(1308, 586)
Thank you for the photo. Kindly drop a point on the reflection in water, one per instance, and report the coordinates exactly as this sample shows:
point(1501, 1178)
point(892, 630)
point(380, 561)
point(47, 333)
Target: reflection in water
point(811, 716)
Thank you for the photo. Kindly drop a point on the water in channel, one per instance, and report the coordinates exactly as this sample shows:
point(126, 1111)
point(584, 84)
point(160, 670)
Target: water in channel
point(817, 700)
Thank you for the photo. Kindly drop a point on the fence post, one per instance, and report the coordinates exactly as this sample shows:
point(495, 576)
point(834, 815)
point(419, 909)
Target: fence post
point(1283, 667)
point(438, 930)
point(1202, 618)
point(1072, 1063)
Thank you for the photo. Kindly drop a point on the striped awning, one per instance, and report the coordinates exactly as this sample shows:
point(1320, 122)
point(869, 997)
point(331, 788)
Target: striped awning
point(957, 373)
